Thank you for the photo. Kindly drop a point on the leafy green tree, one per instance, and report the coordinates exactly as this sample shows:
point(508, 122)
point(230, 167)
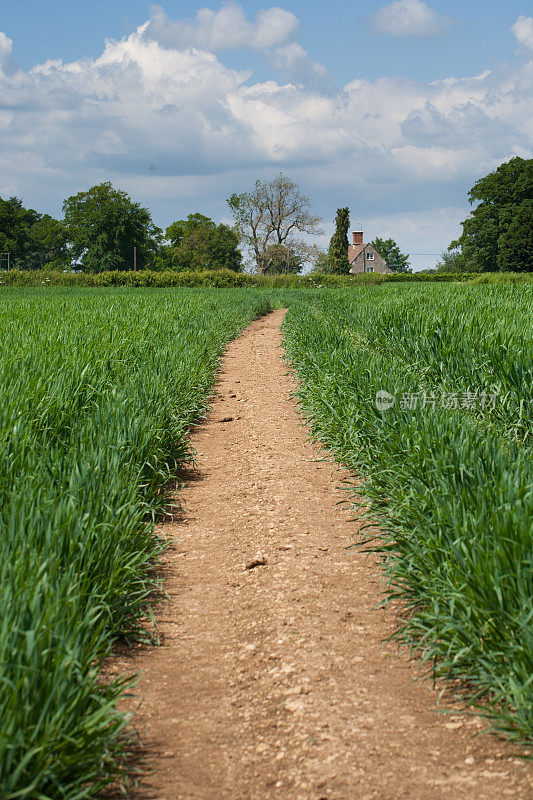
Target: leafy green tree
point(516, 244)
point(318, 259)
point(389, 250)
point(163, 258)
point(451, 261)
point(49, 245)
point(500, 194)
point(15, 224)
point(184, 228)
point(275, 259)
point(198, 243)
point(33, 240)
point(338, 246)
point(104, 226)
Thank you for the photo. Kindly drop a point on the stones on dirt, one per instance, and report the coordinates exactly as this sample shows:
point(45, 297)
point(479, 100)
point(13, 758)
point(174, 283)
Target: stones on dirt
point(294, 706)
point(258, 561)
point(287, 669)
point(299, 689)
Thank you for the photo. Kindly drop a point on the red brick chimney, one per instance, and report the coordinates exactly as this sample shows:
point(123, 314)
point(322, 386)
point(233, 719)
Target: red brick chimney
point(357, 237)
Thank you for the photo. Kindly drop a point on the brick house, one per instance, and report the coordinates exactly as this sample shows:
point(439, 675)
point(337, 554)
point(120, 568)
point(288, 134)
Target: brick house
point(364, 257)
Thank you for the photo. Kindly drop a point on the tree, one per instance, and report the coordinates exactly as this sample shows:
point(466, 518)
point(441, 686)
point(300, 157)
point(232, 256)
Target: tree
point(198, 243)
point(389, 250)
point(48, 243)
point(275, 258)
point(338, 246)
point(319, 259)
point(33, 240)
point(516, 244)
point(271, 214)
point(451, 261)
point(500, 194)
point(15, 225)
point(104, 226)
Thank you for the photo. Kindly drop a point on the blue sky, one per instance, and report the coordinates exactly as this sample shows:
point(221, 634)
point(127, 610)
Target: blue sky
point(341, 37)
point(394, 109)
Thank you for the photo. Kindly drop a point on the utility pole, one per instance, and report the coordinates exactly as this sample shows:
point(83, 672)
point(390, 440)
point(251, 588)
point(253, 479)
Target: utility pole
point(135, 259)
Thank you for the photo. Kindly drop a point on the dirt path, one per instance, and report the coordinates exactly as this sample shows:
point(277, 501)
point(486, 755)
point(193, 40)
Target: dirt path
point(273, 682)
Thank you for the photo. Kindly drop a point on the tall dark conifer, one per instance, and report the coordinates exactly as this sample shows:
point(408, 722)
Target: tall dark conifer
point(338, 246)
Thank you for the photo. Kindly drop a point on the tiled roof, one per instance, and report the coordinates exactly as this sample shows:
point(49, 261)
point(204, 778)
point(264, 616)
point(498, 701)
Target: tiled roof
point(354, 250)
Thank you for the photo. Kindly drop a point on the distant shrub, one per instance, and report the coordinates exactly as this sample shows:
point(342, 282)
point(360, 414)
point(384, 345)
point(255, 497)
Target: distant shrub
point(430, 277)
point(225, 278)
point(369, 278)
point(502, 277)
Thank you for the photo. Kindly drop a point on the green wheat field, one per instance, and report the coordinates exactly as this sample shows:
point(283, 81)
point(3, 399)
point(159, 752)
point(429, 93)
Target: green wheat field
point(99, 388)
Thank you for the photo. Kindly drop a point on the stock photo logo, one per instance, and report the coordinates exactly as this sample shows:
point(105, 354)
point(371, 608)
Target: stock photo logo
point(384, 400)
point(467, 400)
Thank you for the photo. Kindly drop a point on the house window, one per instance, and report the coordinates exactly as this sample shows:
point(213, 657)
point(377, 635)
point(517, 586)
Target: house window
point(369, 269)
point(370, 256)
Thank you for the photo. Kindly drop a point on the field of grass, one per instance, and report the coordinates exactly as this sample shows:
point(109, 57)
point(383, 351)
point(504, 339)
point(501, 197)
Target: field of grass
point(96, 392)
point(447, 469)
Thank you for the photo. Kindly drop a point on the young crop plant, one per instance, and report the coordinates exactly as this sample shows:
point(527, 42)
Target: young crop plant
point(426, 394)
point(97, 390)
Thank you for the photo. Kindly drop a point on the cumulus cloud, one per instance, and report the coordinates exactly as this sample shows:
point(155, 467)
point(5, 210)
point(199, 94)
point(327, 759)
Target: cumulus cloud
point(7, 66)
point(6, 46)
point(523, 31)
point(295, 64)
point(181, 111)
point(429, 127)
point(225, 29)
point(174, 123)
point(136, 106)
point(409, 18)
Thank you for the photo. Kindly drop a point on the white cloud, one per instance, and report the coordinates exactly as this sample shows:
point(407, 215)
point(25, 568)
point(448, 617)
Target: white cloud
point(181, 111)
point(6, 46)
point(523, 31)
point(225, 29)
point(174, 124)
point(409, 18)
point(424, 234)
point(294, 64)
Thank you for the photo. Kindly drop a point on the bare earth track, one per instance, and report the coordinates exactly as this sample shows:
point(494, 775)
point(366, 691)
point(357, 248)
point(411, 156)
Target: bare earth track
point(273, 681)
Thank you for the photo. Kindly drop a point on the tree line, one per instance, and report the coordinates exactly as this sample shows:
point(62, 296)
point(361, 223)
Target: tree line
point(104, 229)
point(498, 234)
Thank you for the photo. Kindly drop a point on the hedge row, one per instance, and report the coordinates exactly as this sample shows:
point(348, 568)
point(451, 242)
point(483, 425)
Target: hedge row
point(227, 278)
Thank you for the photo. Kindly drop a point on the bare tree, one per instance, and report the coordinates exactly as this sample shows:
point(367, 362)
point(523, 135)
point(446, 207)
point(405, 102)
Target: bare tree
point(271, 214)
point(251, 222)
